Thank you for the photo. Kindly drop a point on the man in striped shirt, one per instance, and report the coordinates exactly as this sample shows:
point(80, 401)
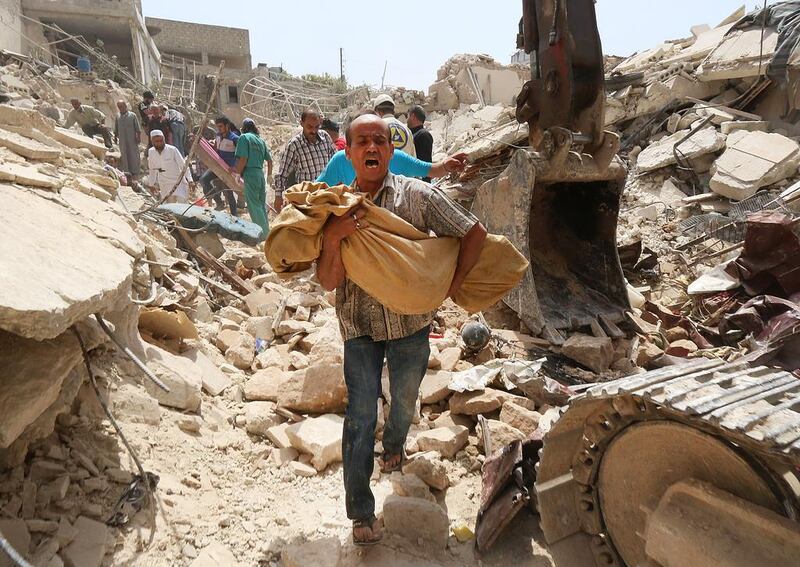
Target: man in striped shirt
point(306, 154)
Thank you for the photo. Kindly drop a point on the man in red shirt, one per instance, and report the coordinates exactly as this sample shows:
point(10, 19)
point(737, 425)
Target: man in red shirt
point(332, 128)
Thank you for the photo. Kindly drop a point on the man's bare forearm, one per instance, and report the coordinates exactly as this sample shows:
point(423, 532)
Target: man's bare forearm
point(468, 254)
point(330, 269)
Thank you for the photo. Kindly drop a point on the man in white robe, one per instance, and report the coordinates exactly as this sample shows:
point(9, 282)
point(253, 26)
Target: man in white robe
point(165, 163)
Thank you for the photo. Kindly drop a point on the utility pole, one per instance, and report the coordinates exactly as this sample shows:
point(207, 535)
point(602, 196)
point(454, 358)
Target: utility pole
point(383, 77)
point(341, 65)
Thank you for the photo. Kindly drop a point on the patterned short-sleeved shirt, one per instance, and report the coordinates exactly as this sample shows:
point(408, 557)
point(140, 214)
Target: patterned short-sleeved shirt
point(429, 210)
point(305, 159)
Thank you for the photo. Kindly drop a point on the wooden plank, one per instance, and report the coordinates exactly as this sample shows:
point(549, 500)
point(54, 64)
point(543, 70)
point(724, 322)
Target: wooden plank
point(208, 260)
point(210, 158)
point(728, 109)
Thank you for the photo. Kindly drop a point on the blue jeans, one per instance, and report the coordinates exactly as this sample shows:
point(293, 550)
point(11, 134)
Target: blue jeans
point(208, 190)
point(407, 359)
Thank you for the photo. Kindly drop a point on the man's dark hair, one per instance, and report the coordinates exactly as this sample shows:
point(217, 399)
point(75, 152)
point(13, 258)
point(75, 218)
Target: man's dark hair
point(309, 112)
point(148, 94)
point(347, 136)
point(418, 112)
point(249, 127)
point(328, 124)
point(223, 120)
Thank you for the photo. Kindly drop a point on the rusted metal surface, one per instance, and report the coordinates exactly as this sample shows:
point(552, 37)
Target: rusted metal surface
point(567, 85)
point(563, 218)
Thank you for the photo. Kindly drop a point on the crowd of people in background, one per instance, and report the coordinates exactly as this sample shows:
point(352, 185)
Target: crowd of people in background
point(317, 153)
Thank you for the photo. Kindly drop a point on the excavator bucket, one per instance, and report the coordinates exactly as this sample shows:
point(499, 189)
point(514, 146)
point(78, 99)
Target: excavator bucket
point(562, 215)
point(559, 201)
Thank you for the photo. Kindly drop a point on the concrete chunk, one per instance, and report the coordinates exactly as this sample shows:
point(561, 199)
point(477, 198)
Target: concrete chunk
point(89, 545)
point(596, 353)
point(417, 520)
point(17, 534)
point(660, 154)
point(319, 436)
point(30, 149)
point(753, 160)
point(446, 440)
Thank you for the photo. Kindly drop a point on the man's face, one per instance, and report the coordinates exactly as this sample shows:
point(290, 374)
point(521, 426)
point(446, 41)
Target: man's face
point(76, 104)
point(222, 129)
point(123, 107)
point(148, 100)
point(370, 148)
point(158, 143)
point(311, 125)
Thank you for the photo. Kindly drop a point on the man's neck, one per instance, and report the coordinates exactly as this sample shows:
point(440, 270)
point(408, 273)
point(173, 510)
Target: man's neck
point(311, 139)
point(371, 187)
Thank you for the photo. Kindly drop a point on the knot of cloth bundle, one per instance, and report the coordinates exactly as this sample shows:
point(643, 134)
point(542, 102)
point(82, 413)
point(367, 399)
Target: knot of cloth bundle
point(405, 269)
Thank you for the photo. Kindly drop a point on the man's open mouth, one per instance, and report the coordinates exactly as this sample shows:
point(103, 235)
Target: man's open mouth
point(372, 163)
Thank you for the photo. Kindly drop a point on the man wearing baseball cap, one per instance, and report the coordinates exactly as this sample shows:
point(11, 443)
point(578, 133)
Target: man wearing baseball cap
point(402, 138)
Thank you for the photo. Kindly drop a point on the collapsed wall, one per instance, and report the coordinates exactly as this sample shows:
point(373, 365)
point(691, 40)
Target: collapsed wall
point(475, 79)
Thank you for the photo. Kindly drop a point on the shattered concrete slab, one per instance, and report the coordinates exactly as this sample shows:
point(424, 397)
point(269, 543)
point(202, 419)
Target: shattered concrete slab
point(27, 148)
point(56, 272)
point(751, 161)
point(661, 153)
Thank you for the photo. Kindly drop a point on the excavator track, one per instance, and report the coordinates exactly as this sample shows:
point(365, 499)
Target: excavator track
point(610, 456)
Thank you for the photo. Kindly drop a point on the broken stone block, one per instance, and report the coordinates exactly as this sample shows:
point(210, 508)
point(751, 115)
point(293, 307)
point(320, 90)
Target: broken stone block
point(500, 433)
point(214, 380)
point(646, 353)
point(660, 154)
point(259, 327)
point(302, 469)
point(190, 423)
point(260, 417)
point(298, 360)
point(73, 139)
point(215, 555)
point(66, 533)
point(43, 470)
point(482, 401)
point(272, 358)
point(181, 375)
point(447, 441)
point(320, 388)
point(434, 387)
point(277, 435)
point(242, 354)
point(291, 327)
point(410, 485)
point(744, 125)
point(17, 534)
point(753, 160)
point(319, 553)
point(26, 175)
point(321, 437)
point(227, 338)
point(521, 418)
point(284, 456)
point(416, 520)
point(56, 271)
point(263, 303)
point(595, 353)
point(449, 357)
point(33, 375)
point(30, 149)
point(265, 384)
point(89, 545)
point(131, 403)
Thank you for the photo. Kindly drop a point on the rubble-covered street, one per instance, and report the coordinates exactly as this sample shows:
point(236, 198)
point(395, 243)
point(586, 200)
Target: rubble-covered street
point(134, 338)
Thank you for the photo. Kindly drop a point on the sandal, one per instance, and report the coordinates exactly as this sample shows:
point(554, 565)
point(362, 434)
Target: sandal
point(376, 533)
point(385, 469)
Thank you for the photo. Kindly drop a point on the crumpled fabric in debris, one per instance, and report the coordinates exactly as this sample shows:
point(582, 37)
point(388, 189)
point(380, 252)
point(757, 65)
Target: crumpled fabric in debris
point(405, 269)
point(770, 260)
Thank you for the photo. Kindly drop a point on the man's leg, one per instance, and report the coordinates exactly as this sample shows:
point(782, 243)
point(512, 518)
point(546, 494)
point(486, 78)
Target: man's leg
point(407, 359)
point(106, 134)
point(208, 188)
point(230, 196)
point(363, 362)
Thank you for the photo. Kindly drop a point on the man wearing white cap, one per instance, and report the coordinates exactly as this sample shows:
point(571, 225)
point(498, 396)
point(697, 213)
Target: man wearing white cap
point(165, 163)
point(402, 138)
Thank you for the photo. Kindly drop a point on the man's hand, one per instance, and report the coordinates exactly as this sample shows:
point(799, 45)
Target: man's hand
point(339, 228)
point(455, 163)
point(278, 204)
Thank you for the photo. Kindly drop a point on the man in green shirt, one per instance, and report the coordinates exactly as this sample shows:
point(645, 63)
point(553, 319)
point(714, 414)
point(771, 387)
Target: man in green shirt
point(91, 121)
point(251, 153)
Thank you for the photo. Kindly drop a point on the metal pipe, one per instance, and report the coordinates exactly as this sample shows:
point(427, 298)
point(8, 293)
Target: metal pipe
point(129, 353)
